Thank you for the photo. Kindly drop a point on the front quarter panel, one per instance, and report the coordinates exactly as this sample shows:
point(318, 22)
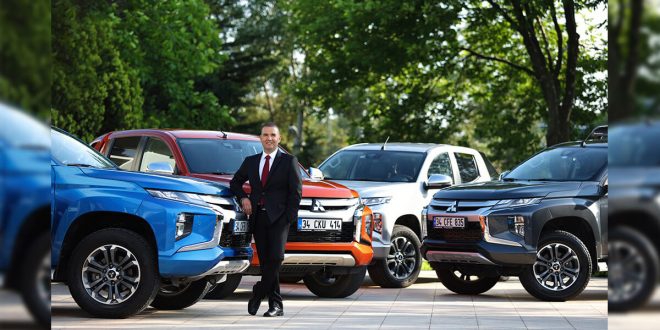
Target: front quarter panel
point(76, 194)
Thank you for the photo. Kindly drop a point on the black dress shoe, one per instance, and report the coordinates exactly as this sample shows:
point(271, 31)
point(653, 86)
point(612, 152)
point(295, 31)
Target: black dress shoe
point(274, 311)
point(253, 305)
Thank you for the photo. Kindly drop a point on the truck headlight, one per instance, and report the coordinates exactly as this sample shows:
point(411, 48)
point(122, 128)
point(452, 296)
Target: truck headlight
point(184, 224)
point(506, 203)
point(517, 225)
point(371, 201)
point(178, 196)
point(378, 222)
point(368, 222)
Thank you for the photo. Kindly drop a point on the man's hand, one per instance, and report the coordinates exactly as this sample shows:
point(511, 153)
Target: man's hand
point(246, 205)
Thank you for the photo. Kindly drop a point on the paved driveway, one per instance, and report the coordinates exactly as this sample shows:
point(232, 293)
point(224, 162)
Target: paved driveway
point(426, 304)
point(647, 317)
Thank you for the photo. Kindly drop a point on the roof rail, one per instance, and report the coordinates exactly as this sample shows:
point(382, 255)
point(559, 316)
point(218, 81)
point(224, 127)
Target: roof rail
point(597, 134)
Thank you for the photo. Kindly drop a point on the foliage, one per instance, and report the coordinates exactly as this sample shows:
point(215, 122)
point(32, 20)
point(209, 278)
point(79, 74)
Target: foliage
point(24, 62)
point(503, 76)
point(129, 64)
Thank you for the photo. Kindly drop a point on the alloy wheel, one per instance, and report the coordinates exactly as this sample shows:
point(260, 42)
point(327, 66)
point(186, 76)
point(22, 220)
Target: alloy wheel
point(401, 260)
point(557, 267)
point(626, 271)
point(111, 274)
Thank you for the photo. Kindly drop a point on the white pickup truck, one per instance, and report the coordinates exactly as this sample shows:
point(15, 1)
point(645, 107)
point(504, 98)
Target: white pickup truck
point(396, 180)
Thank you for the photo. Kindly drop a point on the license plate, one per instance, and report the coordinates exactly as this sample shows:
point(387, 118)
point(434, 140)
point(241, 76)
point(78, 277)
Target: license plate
point(241, 226)
point(448, 222)
point(319, 224)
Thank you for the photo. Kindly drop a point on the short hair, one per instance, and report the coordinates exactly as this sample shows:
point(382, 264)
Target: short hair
point(270, 124)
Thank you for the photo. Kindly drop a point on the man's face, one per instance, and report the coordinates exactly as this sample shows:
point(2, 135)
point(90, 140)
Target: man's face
point(270, 138)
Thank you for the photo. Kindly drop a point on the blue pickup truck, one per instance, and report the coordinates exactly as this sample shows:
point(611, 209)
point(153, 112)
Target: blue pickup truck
point(25, 210)
point(122, 240)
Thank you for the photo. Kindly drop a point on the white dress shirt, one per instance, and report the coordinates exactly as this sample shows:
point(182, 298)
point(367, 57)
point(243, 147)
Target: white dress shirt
point(262, 162)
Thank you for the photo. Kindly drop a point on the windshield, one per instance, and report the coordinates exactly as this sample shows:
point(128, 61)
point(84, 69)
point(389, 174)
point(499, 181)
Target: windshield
point(374, 165)
point(634, 146)
point(20, 130)
point(72, 152)
point(218, 156)
point(562, 164)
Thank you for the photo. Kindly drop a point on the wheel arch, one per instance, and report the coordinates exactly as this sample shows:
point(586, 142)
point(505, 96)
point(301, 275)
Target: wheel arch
point(95, 221)
point(577, 226)
point(36, 223)
point(410, 221)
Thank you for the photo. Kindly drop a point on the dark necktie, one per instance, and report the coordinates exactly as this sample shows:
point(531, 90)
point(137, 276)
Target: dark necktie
point(264, 177)
point(264, 172)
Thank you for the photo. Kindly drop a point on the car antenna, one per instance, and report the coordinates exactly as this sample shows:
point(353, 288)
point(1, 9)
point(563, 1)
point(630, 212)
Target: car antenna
point(383, 147)
point(224, 135)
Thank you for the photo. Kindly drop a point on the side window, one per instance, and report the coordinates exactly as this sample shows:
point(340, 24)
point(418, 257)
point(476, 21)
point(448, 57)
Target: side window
point(156, 151)
point(124, 150)
point(467, 167)
point(441, 165)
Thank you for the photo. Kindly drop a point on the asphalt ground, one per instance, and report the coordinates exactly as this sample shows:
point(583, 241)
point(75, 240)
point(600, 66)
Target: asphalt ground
point(425, 305)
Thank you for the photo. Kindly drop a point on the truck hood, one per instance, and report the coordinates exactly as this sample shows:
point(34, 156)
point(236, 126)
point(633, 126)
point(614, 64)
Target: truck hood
point(161, 182)
point(368, 189)
point(311, 188)
point(495, 190)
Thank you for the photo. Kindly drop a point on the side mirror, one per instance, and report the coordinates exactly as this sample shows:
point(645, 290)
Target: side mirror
point(160, 167)
point(315, 173)
point(439, 181)
point(504, 174)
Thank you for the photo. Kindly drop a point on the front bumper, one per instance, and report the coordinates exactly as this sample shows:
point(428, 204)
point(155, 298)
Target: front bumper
point(481, 252)
point(381, 250)
point(324, 254)
point(196, 263)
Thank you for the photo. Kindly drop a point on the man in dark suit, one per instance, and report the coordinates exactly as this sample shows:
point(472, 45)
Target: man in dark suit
point(276, 189)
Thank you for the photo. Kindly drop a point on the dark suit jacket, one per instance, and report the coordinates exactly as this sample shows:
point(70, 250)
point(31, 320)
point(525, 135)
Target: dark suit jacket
point(283, 189)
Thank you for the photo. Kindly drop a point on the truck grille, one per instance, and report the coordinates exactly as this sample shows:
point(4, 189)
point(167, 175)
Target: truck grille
point(227, 239)
point(441, 205)
point(345, 235)
point(470, 234)
point(325, 205)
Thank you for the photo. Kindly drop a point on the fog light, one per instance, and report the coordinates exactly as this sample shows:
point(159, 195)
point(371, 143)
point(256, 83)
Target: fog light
point(184, 223)
point(517, 225)
point(378, 222)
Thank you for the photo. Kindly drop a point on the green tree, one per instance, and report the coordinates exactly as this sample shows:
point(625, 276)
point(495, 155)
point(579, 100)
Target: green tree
point(135, 63)
point(24, 55)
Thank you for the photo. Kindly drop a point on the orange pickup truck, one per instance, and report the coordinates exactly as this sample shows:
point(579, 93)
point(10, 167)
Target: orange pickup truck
point(329, 248)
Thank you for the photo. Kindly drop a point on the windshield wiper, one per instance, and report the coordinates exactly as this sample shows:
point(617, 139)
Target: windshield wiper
point(365, 179)
point(81, 165)
point(508, 179)
point(218, 173)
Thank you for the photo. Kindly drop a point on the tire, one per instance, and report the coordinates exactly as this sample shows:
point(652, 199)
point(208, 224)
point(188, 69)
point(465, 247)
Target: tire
point(632, 269)
point(338, 286)
point(291, 279)
point(461, 283)
point(34, 285)
point(401, 267)
point(573, 252)
point(226, 288)
point(180, 296)
point(141, 271)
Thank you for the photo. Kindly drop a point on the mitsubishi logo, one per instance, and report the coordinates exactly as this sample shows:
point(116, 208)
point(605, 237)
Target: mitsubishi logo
point(452, 207)
point(317, 206)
